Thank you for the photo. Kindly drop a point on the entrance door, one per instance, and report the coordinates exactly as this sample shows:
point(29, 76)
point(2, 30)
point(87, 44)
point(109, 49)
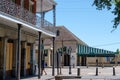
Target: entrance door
point(83, 61)
point(28, 59)
point(66, 60)
point(9, 58)
point(23, 59)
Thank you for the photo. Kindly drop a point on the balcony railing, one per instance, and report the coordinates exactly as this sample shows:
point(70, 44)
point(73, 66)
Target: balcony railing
point(18, 12)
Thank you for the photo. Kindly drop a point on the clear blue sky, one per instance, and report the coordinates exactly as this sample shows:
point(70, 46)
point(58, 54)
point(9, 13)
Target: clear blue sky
point(90, 25)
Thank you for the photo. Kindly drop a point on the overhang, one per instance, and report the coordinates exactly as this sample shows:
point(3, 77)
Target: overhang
point(93, 52)
point(12, 21)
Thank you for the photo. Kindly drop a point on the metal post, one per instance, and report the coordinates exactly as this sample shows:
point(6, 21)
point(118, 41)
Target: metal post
point(96, 67)
point(54, 15)
point(113, 71)
point(69, 51)
point(39, 56)
point(57, 63)
point(54, 24)
point(39, 43)
point(42, 56)
point(70, 69)
point(18, 55)
point(78, 71)
point(53, 66)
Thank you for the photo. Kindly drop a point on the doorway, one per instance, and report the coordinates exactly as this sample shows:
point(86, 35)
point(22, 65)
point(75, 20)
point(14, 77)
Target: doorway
point(66, 60)
point(9, 58)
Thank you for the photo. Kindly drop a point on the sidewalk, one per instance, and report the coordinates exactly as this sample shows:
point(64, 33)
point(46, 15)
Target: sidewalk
point(44, 77)
point(105, 73)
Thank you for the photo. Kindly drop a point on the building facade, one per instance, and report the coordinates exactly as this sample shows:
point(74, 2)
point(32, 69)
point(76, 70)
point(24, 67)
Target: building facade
point(67, 39)
point(19, 30)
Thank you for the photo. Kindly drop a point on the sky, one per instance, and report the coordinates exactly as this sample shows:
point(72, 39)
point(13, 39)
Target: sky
point(88, 24)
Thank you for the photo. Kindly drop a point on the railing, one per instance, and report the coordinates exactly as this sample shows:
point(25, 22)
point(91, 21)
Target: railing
point(18, 12)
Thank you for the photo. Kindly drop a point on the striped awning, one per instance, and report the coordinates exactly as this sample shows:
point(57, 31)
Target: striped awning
point(93, 52)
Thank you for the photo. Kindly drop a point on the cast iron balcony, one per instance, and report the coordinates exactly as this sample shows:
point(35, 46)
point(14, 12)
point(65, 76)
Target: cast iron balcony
point(17, 12)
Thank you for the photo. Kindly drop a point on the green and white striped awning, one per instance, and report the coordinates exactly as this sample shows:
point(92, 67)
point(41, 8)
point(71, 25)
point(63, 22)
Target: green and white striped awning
point(93, 52)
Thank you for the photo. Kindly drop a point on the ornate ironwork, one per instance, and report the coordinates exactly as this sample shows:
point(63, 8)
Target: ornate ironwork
point(17, 11)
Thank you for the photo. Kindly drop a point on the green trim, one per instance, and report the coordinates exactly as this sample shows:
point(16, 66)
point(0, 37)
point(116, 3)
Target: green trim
point(92, 52)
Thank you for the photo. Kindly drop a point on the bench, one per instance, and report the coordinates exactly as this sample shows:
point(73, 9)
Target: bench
point(60, 77)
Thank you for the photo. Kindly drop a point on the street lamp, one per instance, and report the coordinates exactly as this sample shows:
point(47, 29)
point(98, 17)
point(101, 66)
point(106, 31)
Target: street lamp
point(69, 52)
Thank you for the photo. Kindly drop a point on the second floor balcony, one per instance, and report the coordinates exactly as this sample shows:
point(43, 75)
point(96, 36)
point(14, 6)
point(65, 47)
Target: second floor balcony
point(17, 12)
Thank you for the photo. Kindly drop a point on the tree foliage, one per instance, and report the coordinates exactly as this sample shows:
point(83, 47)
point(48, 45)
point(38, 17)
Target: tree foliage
point(110, 4)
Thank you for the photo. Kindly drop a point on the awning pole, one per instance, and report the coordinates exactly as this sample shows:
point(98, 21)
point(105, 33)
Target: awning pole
point(18, 52)
point(39, 56)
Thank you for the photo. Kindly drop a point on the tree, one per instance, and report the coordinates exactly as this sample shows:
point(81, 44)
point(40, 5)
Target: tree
point(118, 51)
point(110, 4)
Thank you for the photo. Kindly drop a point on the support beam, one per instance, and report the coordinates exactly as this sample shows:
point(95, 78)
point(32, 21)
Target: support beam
point(57, 62)
point(54, 24)
point(18, 52)
point(54, 17)
point(42, 56)
point(53, 66)
point(39, 56)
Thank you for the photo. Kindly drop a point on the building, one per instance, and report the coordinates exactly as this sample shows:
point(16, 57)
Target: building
point(20, 27)
point(81, 53)
point(66, 39)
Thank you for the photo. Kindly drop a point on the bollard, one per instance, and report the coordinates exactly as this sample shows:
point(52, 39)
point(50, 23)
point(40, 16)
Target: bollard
point(73, 65)
point(78, 71)
point(70, 70)
point(87, 66)
point(96, 67)
point(96, 71)
point(113, 71)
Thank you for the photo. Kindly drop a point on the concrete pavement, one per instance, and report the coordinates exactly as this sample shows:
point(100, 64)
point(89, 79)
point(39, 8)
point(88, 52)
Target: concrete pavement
point(105, 73)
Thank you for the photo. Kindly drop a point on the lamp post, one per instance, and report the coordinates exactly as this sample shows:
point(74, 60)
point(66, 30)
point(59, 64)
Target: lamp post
point(53, 66)
point(57, 52)
point(69, 52)
point(60, 51)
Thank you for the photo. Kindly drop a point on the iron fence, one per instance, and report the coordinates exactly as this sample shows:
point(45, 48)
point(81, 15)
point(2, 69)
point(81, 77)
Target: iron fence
point(17, 11)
